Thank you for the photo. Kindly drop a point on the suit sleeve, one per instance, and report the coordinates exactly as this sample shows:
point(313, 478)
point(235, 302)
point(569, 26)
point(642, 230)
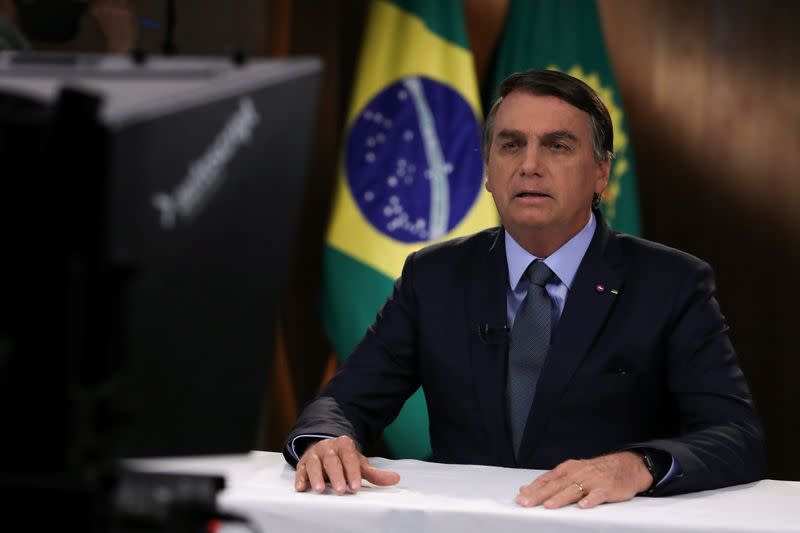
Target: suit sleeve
point(722, 441)
point(369, 390)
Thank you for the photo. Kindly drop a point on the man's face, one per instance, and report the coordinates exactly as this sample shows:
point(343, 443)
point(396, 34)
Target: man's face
point(541, 168)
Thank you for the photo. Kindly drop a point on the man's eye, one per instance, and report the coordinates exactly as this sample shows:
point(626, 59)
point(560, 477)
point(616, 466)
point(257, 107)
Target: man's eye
point(509, 145)
point(560, 147)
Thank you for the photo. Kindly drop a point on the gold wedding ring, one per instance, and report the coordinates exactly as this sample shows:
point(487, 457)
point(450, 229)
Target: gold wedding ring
point(580, 488)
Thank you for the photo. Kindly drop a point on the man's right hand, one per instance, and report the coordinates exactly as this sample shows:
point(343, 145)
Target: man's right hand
point(339, 462)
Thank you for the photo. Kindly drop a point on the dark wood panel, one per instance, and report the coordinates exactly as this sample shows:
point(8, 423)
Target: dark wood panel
point(712, 91)
point(331, 30)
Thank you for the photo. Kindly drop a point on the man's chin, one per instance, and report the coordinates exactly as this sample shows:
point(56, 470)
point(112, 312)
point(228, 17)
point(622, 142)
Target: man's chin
point(533, 220)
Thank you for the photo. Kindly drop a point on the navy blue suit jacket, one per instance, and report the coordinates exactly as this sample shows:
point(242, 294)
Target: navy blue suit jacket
point(644, 362)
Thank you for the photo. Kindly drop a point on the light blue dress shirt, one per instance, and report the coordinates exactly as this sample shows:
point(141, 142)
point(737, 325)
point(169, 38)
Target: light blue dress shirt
point(563, 262)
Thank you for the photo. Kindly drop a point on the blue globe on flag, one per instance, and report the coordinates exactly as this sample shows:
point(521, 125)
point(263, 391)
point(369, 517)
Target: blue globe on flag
point(413, 160)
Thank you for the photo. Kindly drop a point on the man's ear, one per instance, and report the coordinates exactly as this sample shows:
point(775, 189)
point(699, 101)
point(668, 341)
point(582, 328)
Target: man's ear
point(604, 171)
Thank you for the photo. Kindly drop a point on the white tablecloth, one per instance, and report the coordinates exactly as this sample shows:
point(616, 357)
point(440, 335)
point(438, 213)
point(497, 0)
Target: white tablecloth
point(467, 498)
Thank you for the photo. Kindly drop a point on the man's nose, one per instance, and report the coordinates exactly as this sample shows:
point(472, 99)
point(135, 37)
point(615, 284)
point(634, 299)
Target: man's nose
point(531, 163)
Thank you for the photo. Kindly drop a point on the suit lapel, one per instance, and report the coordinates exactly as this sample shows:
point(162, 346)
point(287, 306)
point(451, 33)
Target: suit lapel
point(487, 307)
point(584, 314)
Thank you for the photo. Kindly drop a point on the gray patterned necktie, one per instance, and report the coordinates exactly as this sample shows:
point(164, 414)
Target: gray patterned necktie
point(530, 342)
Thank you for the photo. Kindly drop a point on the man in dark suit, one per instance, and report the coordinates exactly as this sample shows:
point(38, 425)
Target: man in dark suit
point(549, 343)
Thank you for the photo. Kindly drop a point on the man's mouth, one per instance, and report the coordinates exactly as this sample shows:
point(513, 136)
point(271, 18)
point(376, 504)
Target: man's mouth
point(532, 195)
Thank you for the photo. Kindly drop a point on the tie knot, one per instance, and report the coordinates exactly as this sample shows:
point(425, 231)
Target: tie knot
point(539, 273)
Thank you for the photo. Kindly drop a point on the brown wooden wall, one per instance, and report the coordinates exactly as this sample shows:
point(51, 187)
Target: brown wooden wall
point(712, 92)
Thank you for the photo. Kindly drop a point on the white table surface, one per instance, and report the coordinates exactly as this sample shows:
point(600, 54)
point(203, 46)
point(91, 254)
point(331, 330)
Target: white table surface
point(464, 498)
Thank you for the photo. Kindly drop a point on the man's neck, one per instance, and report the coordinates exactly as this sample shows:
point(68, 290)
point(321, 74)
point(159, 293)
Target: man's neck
point(542, 243)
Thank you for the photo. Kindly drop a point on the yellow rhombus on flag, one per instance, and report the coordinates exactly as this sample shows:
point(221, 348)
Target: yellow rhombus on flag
point(410, 174)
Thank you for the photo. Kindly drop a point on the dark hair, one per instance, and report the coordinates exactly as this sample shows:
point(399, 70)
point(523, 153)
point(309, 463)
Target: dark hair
point(567, 88)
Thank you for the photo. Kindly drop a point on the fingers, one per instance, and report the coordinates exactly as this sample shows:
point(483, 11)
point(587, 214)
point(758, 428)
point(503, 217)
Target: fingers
point(352, 461)
point(569, 494)
point(339, 462)
point(610, 478)
point(332, 464)
point(303, 479)
point(316, 476)
point(594, 498)
point(378, 476)
point(547, 485)
point(300, 478)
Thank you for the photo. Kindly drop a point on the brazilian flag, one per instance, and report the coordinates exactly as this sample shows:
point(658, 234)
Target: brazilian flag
point(410, 174)
point(567, 35)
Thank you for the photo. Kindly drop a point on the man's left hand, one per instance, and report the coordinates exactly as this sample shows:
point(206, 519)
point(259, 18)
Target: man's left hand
point(610, 478)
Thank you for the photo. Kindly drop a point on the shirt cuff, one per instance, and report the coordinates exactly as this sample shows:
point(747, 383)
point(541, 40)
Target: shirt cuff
point(299, 443)
point(674, 471)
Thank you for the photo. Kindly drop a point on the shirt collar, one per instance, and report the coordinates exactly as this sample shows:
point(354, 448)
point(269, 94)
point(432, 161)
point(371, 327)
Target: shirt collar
point(563, 262)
